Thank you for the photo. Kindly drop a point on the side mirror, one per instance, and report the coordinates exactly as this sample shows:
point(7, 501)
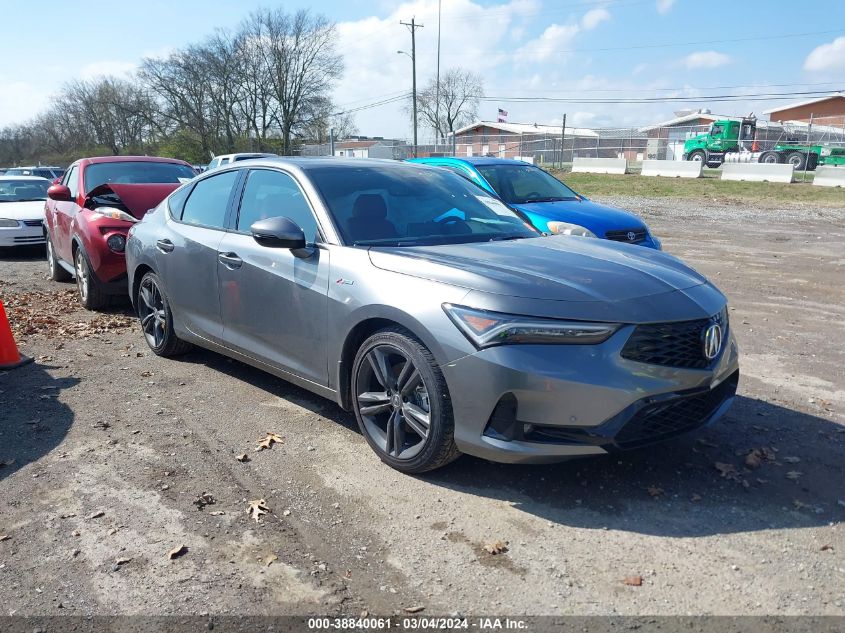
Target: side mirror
point(278, 232)
point(59, 193)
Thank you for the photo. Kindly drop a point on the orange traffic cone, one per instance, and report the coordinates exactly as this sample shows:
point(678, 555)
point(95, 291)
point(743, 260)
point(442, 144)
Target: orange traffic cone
point(9, 355)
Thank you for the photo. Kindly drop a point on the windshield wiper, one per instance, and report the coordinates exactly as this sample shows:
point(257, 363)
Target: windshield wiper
point(549, 199)
point(385, 242)
point(505, 238)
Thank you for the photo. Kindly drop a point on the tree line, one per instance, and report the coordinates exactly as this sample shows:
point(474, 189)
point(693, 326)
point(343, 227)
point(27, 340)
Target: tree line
point(264, 86)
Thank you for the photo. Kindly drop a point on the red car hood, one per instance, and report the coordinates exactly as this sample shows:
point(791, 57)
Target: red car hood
point(137, 198)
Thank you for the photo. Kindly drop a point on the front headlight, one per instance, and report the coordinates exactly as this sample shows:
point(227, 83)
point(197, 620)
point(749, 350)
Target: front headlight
point(115, 214)
point(567, 228)
point(486, 329)
point(8, 224)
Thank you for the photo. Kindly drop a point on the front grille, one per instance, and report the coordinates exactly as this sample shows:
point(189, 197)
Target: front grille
point(662, 420)
point(673, 344)
point(33, 222)
point(35, 239)
point(632, 236)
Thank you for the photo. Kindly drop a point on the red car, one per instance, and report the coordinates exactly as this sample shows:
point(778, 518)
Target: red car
point(89, 212)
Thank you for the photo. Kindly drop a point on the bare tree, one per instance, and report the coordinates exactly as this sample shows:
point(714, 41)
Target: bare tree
point(460, 91)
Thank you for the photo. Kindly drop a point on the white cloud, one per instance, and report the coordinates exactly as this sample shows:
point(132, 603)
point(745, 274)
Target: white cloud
point(663, 6)
point(706, 59)
point(100, 69)
point(594, 17)
point(827, 57)
point(551, 42)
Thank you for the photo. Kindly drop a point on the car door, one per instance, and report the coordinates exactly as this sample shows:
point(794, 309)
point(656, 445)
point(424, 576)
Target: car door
point(187, 254)
point(63, 213)
point(273, 300)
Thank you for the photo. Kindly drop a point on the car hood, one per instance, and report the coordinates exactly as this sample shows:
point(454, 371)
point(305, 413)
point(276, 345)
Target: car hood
point(137, 198)
point(559, 268)
point(29, 210)
point(596, 217)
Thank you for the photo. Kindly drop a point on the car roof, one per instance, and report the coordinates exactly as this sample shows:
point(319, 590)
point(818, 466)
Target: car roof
point(19, 178)
point(93, 160)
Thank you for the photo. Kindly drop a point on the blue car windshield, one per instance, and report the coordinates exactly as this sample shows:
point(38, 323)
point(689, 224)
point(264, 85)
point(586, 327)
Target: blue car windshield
point(404, 205)
point(522, 184)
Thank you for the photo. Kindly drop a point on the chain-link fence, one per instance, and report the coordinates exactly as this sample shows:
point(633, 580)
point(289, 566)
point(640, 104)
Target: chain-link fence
point(553, 147)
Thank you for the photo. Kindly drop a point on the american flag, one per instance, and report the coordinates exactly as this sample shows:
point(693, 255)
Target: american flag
point(503, 116)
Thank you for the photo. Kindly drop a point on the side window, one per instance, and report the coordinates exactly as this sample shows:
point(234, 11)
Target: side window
point(72, 181)
point(176, 202)
point(207, 203)
point(224, 161)
point(268, 194)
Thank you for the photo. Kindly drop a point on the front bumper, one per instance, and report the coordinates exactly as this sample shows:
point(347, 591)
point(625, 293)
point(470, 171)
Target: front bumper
point(22, 235)
point(546, 403)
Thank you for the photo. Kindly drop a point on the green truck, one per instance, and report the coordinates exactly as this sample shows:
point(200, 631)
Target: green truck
point(735, 140)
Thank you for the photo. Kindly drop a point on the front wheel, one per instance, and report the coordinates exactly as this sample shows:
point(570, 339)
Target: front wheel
point(157, 319)
point(402, 403)
point(698, 156)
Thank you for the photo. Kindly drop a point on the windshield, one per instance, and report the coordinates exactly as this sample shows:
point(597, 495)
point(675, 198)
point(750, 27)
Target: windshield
point(139, 172)
point(393, 205)
point(520, 184)
point(23, 190)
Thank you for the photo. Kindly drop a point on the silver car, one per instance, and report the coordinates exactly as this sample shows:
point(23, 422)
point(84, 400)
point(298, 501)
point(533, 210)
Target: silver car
point(433, 311)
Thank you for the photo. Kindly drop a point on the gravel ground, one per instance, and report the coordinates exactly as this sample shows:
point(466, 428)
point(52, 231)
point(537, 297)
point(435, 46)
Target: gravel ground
point(110, 458)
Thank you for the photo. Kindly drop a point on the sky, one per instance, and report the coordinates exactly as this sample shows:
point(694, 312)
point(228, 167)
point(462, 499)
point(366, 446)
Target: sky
point(582, 50)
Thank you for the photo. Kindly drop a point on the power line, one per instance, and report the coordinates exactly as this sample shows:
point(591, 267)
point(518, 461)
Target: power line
point(665, 99)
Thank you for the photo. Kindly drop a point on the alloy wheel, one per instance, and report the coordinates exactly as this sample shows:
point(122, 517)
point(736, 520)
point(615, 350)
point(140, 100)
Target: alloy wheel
point(152, 313)
point(393, 402)
point(82, 278)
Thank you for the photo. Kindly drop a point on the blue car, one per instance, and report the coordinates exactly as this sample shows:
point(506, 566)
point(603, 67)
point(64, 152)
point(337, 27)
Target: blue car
point(551, 206)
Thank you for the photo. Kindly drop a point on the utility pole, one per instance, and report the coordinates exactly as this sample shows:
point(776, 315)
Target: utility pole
point(437, 89)
point(413, 26)
point(331, 141)
point(562, 135)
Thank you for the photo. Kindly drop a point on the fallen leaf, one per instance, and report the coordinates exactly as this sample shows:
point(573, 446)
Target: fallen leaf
point(122, 561)
point(203, 500)
point(496, 547)
point(268, 441)
point(257, 508)
point(146, 374)
point(414, 609)
point(217, 513)
point(633, 581)
point(4, 537)
point(825, 548)
point(695, 497)
point(794, 474)
point(270, 559)
point(728, 471)
point(654, 491)
point(112, 531)
point(754, 459)
point(177, 551)
point(97, 514)
point(243, 457)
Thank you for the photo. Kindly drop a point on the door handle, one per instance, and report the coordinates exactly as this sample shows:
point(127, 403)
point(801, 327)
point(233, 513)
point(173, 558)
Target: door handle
point(165, 246)
point(230, 260)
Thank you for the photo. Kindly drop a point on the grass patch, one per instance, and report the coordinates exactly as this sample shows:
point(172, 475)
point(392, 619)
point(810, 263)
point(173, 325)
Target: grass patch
point(709, 187)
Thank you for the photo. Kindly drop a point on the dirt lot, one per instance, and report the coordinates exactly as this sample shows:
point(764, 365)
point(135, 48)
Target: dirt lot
point(106, 452)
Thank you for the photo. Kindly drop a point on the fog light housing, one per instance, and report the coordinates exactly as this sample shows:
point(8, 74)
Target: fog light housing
point(116, 242)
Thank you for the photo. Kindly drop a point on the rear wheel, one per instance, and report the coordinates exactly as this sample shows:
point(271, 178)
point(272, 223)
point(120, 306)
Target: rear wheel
point(402, 402)
point(57, 273)
point(797, 159)
point(157, 319)
point(91, 296)
point(770, 158)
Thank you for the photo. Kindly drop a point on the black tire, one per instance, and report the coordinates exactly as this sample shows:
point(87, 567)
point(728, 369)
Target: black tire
point(812, 161)
point(91, 295)
point(157, 319)
point(404, 399)
point(55, 270)
point(698, 156)
point(769, 158)
point(797, 160)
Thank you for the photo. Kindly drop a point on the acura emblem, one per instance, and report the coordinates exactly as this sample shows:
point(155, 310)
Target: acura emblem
point(631, 236)
point(712, 341)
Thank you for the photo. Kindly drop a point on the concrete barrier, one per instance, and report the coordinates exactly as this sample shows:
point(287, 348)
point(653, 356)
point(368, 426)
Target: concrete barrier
point(673, 168)
point(599, 165)
point(757, 172)
point(829, 176)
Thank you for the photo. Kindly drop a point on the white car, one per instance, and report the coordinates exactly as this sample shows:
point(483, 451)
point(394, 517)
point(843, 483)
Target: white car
point(225, 159)
point(22, 201)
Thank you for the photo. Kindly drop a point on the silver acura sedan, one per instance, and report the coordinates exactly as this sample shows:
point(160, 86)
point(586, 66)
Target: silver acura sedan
point(433, 311)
